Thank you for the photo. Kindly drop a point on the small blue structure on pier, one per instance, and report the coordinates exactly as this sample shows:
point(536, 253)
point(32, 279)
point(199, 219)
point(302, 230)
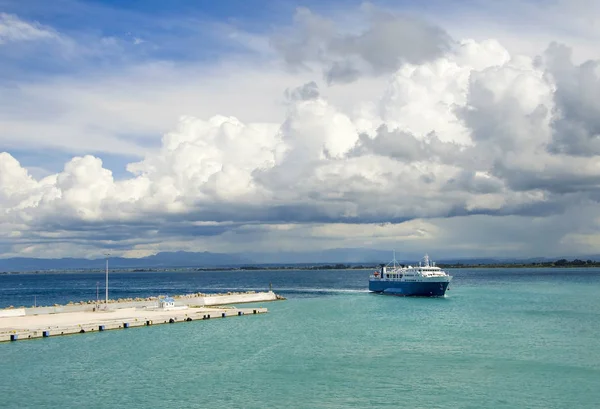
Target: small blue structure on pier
point(166, 302)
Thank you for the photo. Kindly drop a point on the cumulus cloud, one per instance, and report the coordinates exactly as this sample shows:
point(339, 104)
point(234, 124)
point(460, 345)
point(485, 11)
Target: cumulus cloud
point(318, 163)
point(462, 130)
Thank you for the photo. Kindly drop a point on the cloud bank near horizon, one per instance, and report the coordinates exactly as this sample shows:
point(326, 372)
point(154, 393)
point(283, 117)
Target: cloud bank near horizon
point(465, 147)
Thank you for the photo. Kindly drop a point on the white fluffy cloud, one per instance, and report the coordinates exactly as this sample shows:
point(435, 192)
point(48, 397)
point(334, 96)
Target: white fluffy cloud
point(466, 132)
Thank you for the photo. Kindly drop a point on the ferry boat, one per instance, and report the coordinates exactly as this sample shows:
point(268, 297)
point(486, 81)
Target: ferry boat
point(426, 280)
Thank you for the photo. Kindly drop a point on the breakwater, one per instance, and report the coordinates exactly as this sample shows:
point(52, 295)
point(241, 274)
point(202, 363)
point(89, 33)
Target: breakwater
point(193, 299)
point(41, 322)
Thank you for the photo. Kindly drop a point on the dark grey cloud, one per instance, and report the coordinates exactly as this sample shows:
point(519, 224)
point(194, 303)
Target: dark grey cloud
point(469, 181)
point(511, 234)
point(306, 40)
point(406, 147)
point(305, 92)
point(388, 41)
point(576, 121)
point(499, 122)
point(392, 40)
point(342, 72)
point(562, 180)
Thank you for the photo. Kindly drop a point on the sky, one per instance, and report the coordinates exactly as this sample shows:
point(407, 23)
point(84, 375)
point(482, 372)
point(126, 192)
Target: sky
point(465, 128)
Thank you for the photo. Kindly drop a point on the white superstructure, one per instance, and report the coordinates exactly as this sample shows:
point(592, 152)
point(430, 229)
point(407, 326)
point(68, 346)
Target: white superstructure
point(426, 272)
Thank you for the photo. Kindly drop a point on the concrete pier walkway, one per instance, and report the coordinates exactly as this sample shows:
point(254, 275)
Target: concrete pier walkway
point(49, 325)
point(42, 322)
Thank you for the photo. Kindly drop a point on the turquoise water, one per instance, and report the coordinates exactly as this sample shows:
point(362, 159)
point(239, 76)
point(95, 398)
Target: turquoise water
point(521, 341)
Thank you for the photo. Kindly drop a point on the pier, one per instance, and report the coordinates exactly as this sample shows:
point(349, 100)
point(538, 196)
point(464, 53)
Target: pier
point(44, 322)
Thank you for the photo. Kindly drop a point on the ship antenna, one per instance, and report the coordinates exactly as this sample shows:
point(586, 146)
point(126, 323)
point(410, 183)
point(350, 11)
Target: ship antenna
point(394, 262)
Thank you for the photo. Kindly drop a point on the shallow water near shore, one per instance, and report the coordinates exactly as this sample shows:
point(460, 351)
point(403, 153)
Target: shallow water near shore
point(500, 339)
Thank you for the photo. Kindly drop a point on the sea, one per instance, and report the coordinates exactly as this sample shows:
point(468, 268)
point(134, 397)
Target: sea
point(501, 338)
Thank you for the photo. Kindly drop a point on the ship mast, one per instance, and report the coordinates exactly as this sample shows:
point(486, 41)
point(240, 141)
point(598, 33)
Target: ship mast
point(394, 263)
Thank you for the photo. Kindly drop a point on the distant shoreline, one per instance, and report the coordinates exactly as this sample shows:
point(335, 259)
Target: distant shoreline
point(563, 263)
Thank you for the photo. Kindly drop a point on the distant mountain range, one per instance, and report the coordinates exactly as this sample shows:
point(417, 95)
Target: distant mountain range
point(207, 260)
point(164, 259)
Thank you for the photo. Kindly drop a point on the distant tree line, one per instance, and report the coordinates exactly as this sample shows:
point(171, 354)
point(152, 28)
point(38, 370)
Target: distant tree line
point(315, 267)
point(339, 266)
point(543, 264)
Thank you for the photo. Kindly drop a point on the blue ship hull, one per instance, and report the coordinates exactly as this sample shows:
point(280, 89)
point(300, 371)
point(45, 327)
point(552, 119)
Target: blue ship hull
point(404, 288)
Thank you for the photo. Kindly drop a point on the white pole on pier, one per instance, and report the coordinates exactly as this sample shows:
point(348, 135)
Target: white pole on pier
point(106, 302)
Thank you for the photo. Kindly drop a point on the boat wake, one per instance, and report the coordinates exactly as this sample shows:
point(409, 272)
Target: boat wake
point(321, 290)
point(300, 290)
